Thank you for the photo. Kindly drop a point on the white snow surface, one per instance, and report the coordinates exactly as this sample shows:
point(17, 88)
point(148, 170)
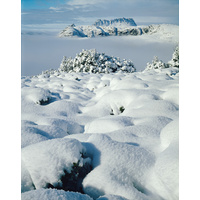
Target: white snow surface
point(125, 125)
point(54, 156)
point(52, 194)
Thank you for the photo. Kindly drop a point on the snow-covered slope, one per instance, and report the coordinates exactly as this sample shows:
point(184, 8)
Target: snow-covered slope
point(109, 136)
point(119, 27)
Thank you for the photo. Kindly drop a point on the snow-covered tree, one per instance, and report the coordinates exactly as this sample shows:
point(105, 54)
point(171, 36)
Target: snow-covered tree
point(156, 64)
point(94, 62)
point(159, 64)
point(66, 64)
point(174, 62)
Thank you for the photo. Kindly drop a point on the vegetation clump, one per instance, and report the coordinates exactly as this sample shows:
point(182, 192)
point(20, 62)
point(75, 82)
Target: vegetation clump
point(93, 62)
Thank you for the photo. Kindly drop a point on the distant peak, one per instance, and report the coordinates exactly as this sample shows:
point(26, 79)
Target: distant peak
point(126, 21)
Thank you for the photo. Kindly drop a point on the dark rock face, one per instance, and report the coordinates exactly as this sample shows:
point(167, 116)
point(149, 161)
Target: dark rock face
point(126, 21)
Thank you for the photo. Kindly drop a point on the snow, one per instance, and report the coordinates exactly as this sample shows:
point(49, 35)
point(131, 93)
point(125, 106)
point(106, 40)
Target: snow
point(117, 177)
point(119, 27)
point(125, 125)
point(52, 194)
point(166, 171)
point(111, 197)
point(94, 62)
point(106, 135)
point(46, 161)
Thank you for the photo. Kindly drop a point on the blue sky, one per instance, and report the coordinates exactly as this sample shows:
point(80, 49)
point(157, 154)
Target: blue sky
point(56, 14)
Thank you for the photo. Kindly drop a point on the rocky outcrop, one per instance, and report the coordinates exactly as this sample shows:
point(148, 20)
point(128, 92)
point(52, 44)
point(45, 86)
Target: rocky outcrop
point(115, 22)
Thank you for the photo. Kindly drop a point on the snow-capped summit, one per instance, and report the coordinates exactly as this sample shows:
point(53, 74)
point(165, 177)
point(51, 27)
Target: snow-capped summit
point(115, 22)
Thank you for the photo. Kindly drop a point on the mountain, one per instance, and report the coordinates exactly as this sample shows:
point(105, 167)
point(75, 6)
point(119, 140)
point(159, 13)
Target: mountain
point(119, 27)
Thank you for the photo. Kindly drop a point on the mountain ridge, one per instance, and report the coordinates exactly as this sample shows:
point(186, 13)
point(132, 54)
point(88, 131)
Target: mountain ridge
point(117, 21)
point(119, 27)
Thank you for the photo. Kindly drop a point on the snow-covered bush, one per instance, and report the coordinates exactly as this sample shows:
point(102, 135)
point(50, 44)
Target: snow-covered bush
point(174, 62)
point(159, 64)
point(37, 95)
point(61, 164)
point(94, 62)
point(156, 64)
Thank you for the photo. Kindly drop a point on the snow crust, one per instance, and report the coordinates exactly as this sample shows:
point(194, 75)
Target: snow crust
point(123, 125)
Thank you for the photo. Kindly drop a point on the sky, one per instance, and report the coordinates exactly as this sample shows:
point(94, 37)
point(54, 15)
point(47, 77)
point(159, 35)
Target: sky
point(57, 14)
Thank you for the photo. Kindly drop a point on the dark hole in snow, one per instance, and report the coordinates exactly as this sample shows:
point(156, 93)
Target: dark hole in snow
point(111, 112)
point(77, 79)
point(73, 181)
point(43, 102)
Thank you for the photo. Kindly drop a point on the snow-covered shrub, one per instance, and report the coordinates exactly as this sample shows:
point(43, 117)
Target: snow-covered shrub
point(159, 64)
point(174, 62)
point(94, 62)
point(37, 95)
point(156, 64)
point(61, 164)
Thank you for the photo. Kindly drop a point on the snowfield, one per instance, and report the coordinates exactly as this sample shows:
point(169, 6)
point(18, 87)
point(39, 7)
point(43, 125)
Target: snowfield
point(109, 136)
point(102, 126)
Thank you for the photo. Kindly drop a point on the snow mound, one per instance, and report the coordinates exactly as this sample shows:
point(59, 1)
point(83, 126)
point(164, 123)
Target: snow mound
point(109, 135)
point(122, 176)
point(53, 194)
point(37, 95)
point(94, 62)
point(166, 171)
point(48, 161)
point(115, 22)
